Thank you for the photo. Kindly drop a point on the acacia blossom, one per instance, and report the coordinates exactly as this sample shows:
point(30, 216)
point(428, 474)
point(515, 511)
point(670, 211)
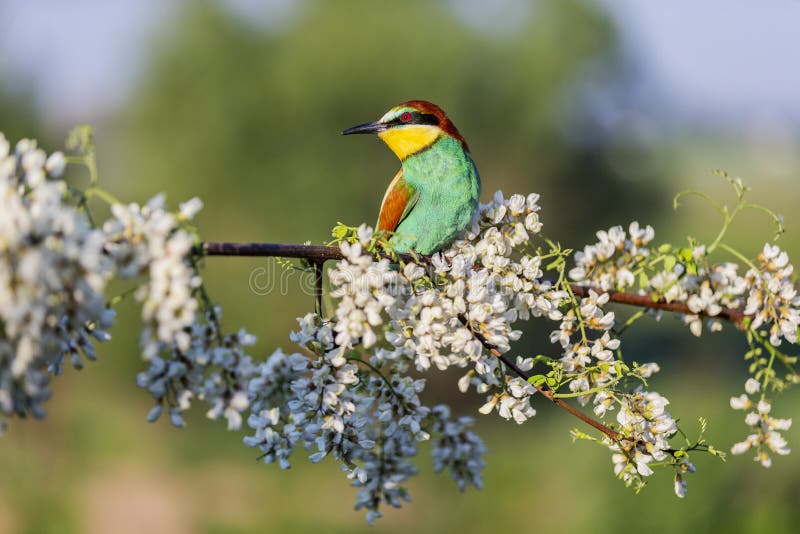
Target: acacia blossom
point(353, 392)
point(147, 240)
point(371, 423)
point(766, 437)
point(52, 275)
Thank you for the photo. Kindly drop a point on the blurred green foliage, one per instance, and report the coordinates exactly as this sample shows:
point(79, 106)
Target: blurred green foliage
point(18, 114)
point(227, 107)
point(246, 115)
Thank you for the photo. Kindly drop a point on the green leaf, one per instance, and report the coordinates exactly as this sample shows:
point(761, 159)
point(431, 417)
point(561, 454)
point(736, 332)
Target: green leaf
point(718, 453)
point(685, 255)
point(536, 380)
point(339, 231)
point(643, 280)
point(577, 434)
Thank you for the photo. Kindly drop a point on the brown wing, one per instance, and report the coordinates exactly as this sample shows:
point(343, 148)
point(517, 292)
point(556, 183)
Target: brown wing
point(400, 197)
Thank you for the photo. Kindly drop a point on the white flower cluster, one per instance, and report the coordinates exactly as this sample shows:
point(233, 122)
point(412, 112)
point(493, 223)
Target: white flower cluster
point(52, 275)
point(585, 359)
point(645, 428)
point(368, 421)
point(457, 449)
point(54, 268)
point(470, 296)
point(365, 289)
point(272, 389)
point(188, 355)
point(430, 316)
point(767, 294)
point(148, 240)
point(482, 285)
point(513, 401)
point(213, 369)
point(712, 289)
point(595, 263)
point(766, 437)
point(773, 299)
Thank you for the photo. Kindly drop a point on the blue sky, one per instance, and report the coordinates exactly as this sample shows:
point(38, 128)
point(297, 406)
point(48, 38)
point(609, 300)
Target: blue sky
point(734, 62)
point(721, 57)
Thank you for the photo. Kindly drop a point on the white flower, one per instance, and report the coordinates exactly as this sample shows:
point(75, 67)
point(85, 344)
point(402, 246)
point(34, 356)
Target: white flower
point(741, 447)
point(646, 370)
point(779, 424)
point(741, 402)
point(489, 405)
point(752, 386)
point(603, 402)
point(641, 460)
point(680, 486)
point(364, 234)
point(55, 164)
point(752, 419)
point(190, 208)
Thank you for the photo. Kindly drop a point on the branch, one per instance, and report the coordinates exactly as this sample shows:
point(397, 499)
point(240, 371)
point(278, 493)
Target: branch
point(646, 301)
point(547, 392)
point(319, 254)
point(314, 253)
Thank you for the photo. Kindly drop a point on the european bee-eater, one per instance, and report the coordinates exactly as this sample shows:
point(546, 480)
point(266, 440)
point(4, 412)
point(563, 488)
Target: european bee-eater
point(435, 193)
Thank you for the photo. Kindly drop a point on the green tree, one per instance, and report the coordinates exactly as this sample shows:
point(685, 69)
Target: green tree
point(250, 115)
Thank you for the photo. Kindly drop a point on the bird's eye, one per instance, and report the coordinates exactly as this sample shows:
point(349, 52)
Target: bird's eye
point(405, 117)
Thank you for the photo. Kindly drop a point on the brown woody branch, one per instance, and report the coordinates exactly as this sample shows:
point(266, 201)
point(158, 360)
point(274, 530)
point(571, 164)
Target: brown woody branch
point(316, 254)
point(647, 301)
point(544, 390)
point(319, 254)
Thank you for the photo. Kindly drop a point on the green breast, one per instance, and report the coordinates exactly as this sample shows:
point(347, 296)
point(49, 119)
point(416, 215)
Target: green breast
point(449, 187)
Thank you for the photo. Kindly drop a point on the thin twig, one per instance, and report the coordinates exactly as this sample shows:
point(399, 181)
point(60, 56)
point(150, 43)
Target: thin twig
point(318, 274)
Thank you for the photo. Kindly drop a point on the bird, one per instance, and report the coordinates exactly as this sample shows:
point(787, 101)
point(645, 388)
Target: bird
point(436, 192)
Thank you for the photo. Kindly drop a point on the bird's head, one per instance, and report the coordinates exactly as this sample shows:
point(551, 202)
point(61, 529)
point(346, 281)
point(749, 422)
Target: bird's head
point(411, 127)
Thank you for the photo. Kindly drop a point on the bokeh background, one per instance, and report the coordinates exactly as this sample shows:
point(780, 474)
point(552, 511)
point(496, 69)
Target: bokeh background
point(606, 108)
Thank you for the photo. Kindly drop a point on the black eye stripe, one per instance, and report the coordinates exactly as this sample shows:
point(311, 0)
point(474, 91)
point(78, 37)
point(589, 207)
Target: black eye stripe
point(424, 118)
point(416, 118)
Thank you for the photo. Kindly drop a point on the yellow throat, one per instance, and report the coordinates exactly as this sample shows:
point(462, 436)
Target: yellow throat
point(409, 139)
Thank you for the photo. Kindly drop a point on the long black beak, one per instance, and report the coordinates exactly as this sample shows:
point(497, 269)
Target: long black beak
point(366, 128)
